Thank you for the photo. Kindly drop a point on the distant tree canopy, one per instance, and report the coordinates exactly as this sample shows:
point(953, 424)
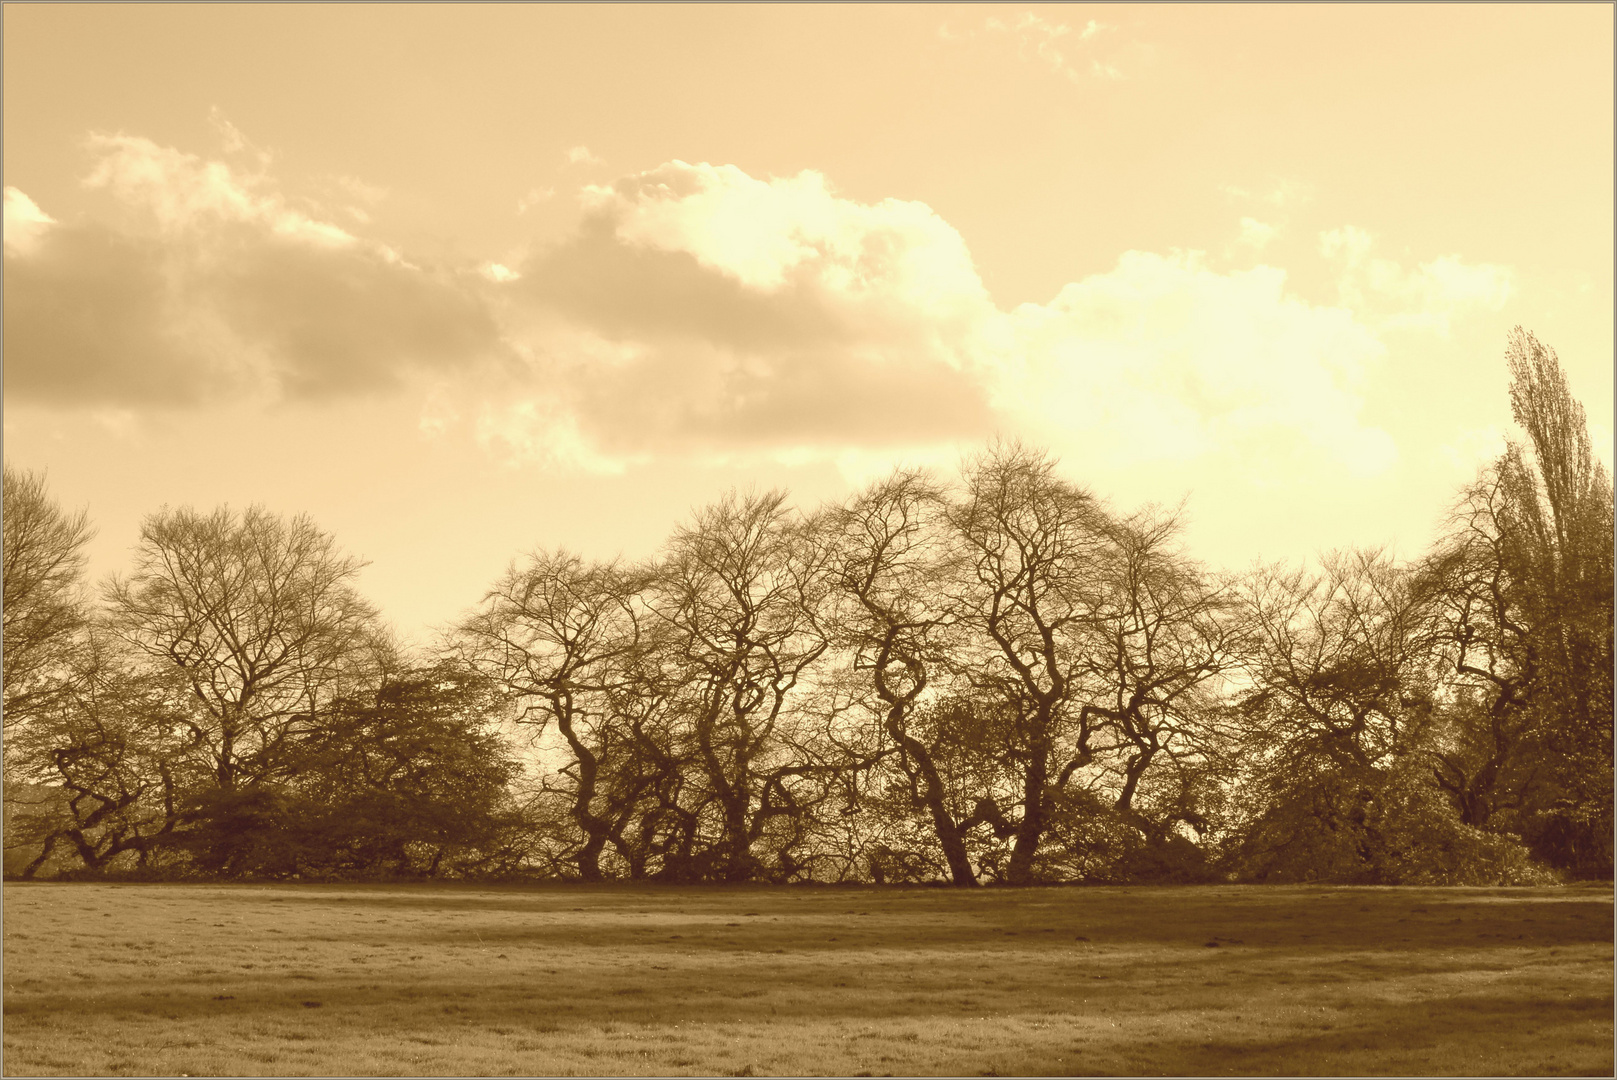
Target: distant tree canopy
point(990, 678)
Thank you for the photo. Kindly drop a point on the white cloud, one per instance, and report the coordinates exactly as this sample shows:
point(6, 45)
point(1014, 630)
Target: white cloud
point(356, 188)
point(234, 142)
point(1256, 234)
point(533, 198)
point(499, 273)
point(1041, 39)
point(25, 222)
point(184, 191)
point(1281, 194)
point(701, 310)
point(1428, 297)
point(1473, 447)
point(581, 155)
point(704, 311)
point(764, 232)
point(1164, 359)
point(1349, 243)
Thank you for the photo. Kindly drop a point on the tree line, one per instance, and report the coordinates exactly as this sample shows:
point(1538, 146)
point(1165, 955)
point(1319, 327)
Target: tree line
point(989, 677)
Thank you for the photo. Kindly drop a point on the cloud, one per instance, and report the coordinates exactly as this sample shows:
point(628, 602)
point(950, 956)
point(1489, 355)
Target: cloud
point(499, 273)
point(1472, 447)
point(703, 311)
point(1256, 234)
point(581, 155)
point(233, 141)
point(1282, 194)
point(213, 283)
point(25, 223)
point(1165, 359)
point(699, 308)
point(533, 198)
point(1429, 297)
point(1041, 39)
point(359, 189)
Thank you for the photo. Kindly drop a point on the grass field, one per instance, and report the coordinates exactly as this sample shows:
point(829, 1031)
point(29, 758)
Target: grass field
point(199, 980)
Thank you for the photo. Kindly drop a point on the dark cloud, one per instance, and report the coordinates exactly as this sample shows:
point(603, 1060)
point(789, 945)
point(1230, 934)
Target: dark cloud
point(98, 317)
point(701, 359)
point(742, 314)
point(343, 321)
point(628, 292)
point(89, 320)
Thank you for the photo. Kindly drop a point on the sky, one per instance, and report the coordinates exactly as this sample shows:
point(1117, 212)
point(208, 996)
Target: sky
point(465, 282)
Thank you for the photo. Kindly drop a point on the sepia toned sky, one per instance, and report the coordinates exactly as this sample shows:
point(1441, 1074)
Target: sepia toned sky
point(463, 281)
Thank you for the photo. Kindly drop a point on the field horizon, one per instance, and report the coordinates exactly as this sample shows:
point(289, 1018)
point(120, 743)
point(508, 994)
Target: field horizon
point(632, 979)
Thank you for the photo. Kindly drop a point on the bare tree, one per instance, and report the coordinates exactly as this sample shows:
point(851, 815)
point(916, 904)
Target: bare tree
point(1341, 661)
point(44, 607)
point(255, 619)
point(102, 761)
point(738, 594)
point(893, 564)
point(1483, 754)
point(1033, 548)
point(1341, 686)
point(1167, 634)
point(564, 634)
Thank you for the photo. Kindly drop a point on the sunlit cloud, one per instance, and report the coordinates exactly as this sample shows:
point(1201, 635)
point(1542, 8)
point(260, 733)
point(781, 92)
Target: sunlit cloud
point(581, 155)
point(700, 308)
point(1165, 359)
point(703, 313)
point(1428, 297)
point(184, 192)
point(25, 223)
point(499, 273)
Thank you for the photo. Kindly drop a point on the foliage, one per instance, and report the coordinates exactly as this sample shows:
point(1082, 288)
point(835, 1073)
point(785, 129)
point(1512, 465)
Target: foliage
point(1521, 587)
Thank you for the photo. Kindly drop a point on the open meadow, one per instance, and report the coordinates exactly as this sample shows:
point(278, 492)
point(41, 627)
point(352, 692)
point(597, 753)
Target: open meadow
point(621, 980)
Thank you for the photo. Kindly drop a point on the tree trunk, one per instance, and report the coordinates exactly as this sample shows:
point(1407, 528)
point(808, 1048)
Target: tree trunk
point(1030, 830)
point(951, 837)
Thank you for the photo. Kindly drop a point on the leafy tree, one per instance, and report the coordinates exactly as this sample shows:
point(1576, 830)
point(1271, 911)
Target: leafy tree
point(405, 778)
point(1523, 585)
point(1341, 686)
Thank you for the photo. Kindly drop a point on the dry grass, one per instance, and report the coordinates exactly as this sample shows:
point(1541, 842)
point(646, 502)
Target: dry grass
point(196, 980)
